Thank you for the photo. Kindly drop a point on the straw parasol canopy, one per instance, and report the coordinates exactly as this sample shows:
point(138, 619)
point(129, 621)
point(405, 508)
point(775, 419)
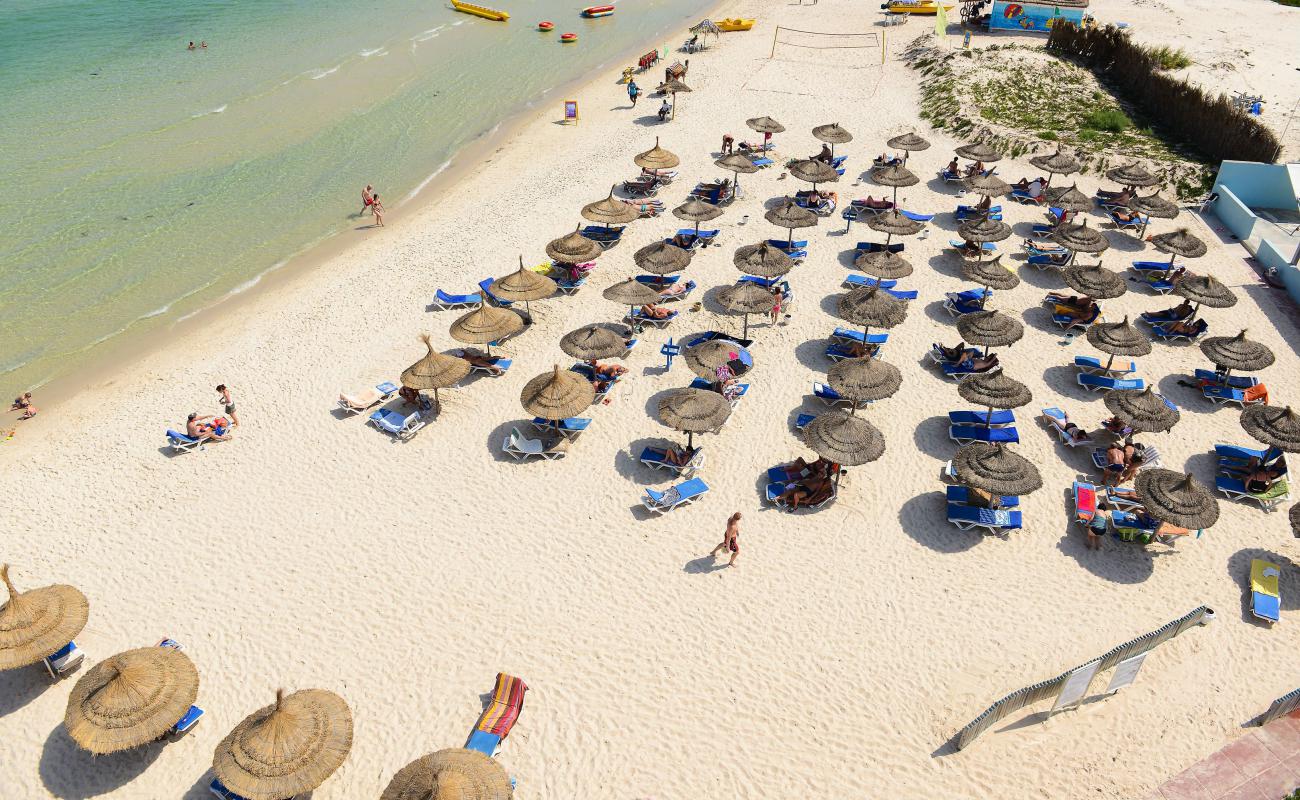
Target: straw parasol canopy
point(908, 141)
point(674, 86)
point(38, 622)
point(995, 390)
point(656, 158)
point(694, 411)
point(697, 211)
point(704, 359)
point(452, 774)
point(884, 264)
point(864, 379)
point(1179, 243)
point(790, 215)
point(832, 134)
point(131, 699)
point(1057, 163)
point(983, 229)
point(1277, 427)
point(1068, 198)
point(609, 211)
point(871, 305)
point(1132, 175)
point(894, 224)
point(738, 163)
point(1177, 499)
point(594, 342)
point(1205, 290)
point(844, 439)
point(994, 468)
point(1118, 339)
point(990, 273)
point(630, 293)
point(814, 171)
point(523, 284)
point(765, 125)
point(986, 184)
point(746, 298)
point(573, 248)
point(662, 258)
point(286, 748)
point(486, 324)
point(990, 329)
point(763, 260)
point(1142, 409)
point(1237, 352)
point(978, 151)
point(557, 394)
point(1080, 239)
point(1294, 514)
point(896, 176)
point(1153, 205)
point(1095, 281)
point(435, 371)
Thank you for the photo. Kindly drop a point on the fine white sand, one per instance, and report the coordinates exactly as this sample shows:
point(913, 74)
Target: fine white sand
point(835, 661)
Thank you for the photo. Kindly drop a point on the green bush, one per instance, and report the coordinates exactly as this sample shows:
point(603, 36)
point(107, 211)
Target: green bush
point(1169, 58)
point(1048, 136)
point(1110, 120)
point(1293, 4)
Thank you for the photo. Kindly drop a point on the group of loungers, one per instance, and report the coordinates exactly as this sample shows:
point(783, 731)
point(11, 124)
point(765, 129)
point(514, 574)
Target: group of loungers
point(1221, 388)
point(1117, 510)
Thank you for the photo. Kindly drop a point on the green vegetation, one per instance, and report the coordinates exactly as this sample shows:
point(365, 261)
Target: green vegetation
point(1110, 120)
point(1169, 58)
point(1293, 4)
point(1047, 136)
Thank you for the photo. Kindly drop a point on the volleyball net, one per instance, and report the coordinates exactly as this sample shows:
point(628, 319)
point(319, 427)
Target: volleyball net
point(792, 40)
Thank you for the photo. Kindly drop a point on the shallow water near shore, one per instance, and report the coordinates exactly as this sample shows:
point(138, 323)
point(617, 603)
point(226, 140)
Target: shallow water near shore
point(147, 181)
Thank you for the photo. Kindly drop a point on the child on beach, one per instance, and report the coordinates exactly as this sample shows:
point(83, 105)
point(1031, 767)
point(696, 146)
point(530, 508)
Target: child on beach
point(229, 404)
point(24, 404)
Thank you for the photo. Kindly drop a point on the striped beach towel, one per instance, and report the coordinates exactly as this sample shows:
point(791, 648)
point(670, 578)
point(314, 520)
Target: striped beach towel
point(503, 710)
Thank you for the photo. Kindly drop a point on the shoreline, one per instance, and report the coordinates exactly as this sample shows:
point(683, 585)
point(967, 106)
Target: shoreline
point(124, 349)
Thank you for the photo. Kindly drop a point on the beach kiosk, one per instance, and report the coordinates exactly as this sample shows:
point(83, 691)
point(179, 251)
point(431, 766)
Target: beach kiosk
point(1035, 17)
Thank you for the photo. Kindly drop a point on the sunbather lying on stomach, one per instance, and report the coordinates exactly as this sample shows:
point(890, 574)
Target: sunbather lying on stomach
point(1181, 311)
point(651, 311)
point(1183, 327)
point(979, 364)
point(479, 360)
point(872, 202)
point(676, 456)
point(1070, 300)
point(1078, 313)
point(1119, 198)
point(1070, 429)
point(1124, 215)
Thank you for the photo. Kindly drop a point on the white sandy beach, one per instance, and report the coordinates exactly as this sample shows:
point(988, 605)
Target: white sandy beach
point(837, 659)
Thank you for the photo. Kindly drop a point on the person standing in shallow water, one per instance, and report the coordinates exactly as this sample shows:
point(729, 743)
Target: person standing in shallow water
point(730, 539)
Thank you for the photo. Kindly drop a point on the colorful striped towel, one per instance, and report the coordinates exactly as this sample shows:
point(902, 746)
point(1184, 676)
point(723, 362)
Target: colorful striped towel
point(503, 710)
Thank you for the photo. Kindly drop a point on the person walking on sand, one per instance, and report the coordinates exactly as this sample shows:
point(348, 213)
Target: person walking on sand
point(778, 304)
point(229, 404)
point(633, 92)
point(377, 208)
point(367, 199)
point(730, 539)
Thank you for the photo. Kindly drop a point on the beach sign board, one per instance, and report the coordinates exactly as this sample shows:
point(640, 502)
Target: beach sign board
point(1075, 686)
point(1125, 673)
point(570, 110)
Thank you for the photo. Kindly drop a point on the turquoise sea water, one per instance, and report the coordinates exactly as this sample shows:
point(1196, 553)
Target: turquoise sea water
point(143, 181)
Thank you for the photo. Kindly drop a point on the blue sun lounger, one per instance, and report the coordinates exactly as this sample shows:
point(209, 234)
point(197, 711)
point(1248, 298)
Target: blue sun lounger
point(994, 521)
point(879, 247)
point(1152, 458)
point(966, 434)
point(652, 457)
point(960, 495)
point(446, 302)
point(915, 217)
point(762, 162)
point(1233, 381)
point(766, 283)
point(1023, 197)
point(1105, 383)
point(855, 280)
point(63, 660)
point(964, 212)
point(180, 443)
point(1095, 367)
point(658, 281)
point(1069, 323)
point(1198, 330)
point(486, 285)
point(801, 421)
point(1233, 453)
point(220, 791)
point(787, 247)
point(949, 177)
point(962, 369)
point(569, 427)
point(1152, 266)
point(837, 351)
point(187, 722)
point(847, 334)
point(1043, 260)
point(396, 424)
point(1235, 489)
point(997, 419)
point(1265, 596)
point(832, 398)
point(713, 336)
point(675, 497)
point(965, 302)
point(1133, 224)
point(742, 389)
point(602, 235)
point(693, 239)
point(988, 247)
point(1220, 395)
point(637, 317)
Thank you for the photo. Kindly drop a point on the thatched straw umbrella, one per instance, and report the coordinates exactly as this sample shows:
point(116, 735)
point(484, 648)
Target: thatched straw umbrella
point(895, 176)
point(1143, 410)
point(694, 411)
point(1057, 163)
point(1204, 290)
point(1179, 243)
point(452, 774)
point(990, 274)
point(1177, 499)
point(131, 699)
point(994, 390)
point(1155, 207)
point(844, 439)
point(864, 380)
point(990, 329)
point(746, 298)
point(1080, 239)
point(909, 143)
point(435, 371)
point(1132, 175)
point(884, 264)
point(978, 151)
point(1068, 198)
point(656, 158)
point(38, 622)
point(286, 748)
point(574, 248)
point(765, 125)
point(523, 284)
point(1095, 281)
point(983, 229)
point(763, 260)
point(594, 342)
point(1276, 427)
point(609, 211)
point(871, 305)
point(738, 163)
point(814, 172)
point(706, 358)
point(832, 134)
point(697, 211)
point(485, 325)
point(674, 87)
point(790, 215)
point(557, 395)
point(1237, 352)
point(662, 258)
point(891, 223)
point(987, 185)
point(1294, 515)
point(1118, 339)
point(996, 469)
point(631, 293)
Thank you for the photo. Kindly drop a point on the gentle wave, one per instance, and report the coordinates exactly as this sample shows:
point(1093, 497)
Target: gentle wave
point(378, 51)
point(216, 110)
point(426, 181)
point(318, 74)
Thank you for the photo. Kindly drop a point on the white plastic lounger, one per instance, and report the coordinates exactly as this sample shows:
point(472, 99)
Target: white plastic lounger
point(64, 660)
point(521, 448)
point(357, 403)
point(396, 424)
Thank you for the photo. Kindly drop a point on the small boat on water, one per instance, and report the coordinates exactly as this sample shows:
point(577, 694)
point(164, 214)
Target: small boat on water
point(568, 38)
point(735, 24)
point(914, 7)
point(591, 12)
point(480, 11)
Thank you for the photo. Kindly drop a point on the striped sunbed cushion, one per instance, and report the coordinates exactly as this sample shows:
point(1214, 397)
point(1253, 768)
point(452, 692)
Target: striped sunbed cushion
point(503, 710)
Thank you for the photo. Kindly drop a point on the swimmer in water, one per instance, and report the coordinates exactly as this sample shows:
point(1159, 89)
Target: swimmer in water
point(203, 45)
point(191, 47)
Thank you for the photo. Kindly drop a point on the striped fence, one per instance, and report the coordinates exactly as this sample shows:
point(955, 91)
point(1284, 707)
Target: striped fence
point(1041, 691)
point(1281, 707)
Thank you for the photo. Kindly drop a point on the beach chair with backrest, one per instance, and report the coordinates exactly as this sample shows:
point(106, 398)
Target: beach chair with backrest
point(742, 389)
point(1093, 366)
point(603, 235)
point(501, 363)
point(1152, 266)
point(63, 660)
point(219, 790)
point(993, 520)
point(1137, 223)
point(949, 177)
point(1025, 198)
point(960, 495)
point(880, 247)
point(802, 420)
point(521, 447)
point(832, 398)
point(1265, 597)
point(961, 370)
point(569, 428)
point(997, 419)
point(1269, 499)
point(1220, 379)
point(1150, 458)
point(965, 302)
point(694, 239)
point(1043, 261)
point(653, 458)
point(1105, 383)
point(1085, 503)
point(1069, 322)
point(638, 318)
point(958, 244)
point(1229, 454)
point(397, 424)
point(850, 335)
point(713, 336)
point(968, 434)
point(682, 494)
point(679, 291)
point(181, 443)
point(499, 716)
point(1054, 416)
point(777, 488)
point(444, 301)
point(1163, 333)
point(965, 212)
point(854, 280)
point(357, 403)
point(1227, 394)
point(485, 285)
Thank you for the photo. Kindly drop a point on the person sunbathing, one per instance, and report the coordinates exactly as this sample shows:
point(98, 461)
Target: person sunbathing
point(1073, 301)
point(957, 353)
point(1070, 429)
point(685, 240)
point(1125, 215)
point(1086, 311)
point(856, 349)
point(981, 498)
point(1025, 183)
point(872, 202)
point(1183, 327)
point(678, 289)
point(983, 205)
point(824, 156)
point(952, 168)
point(1181, 311)
point(480, 361)
point(1117, 427)
point(886, 160)
point(1056, 259)
point(969, 248)
point(676, 456)
point(1116, 198)
point(651, 311)
point(196, 428)
point(809, 491)
point(979, 364)
point(1044, 246)
point(607, 371)
point(1261, 478)
point(975, 169)
point(1172, 276)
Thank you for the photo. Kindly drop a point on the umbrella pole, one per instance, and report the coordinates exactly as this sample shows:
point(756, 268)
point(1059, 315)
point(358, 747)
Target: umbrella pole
point(790, 242)
point(1170, 268)
point(895, 205)
point(988, 419)
point(690, 439)
point(1109, 361)
point(745, 335)
point(984, 298)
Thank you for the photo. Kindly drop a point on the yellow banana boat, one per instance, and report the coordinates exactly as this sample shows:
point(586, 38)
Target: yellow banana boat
point(914, 7)
point(480, 11)
point(735, 24)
